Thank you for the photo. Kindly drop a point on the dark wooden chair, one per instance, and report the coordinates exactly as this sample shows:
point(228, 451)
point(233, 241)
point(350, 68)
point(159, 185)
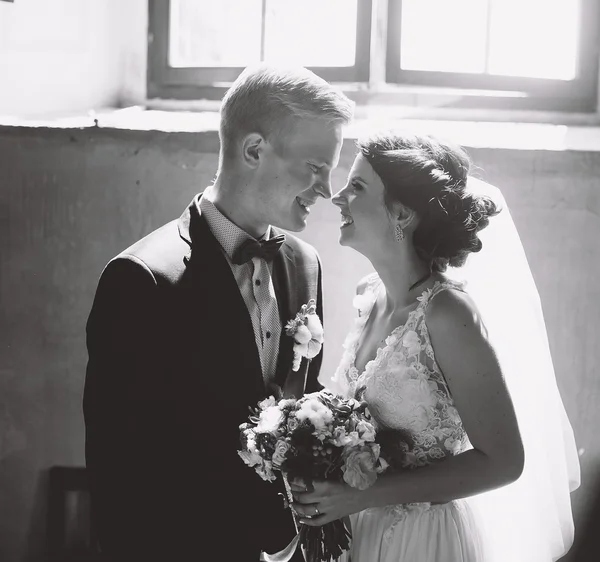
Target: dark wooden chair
point(71, 536)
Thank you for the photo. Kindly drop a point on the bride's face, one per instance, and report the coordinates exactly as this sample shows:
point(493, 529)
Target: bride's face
point(366, 224)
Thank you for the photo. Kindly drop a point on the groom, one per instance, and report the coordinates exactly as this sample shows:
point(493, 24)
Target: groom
point(187, 331)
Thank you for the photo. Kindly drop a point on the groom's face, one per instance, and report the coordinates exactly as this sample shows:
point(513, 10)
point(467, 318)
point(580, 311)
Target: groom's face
point(295, 170)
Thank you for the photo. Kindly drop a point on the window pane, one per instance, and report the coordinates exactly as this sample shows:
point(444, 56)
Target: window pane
point(228, 33)
point(209, 33)
point(535, 38)
point(311, 32)
point(529, 38)
point(443, 35)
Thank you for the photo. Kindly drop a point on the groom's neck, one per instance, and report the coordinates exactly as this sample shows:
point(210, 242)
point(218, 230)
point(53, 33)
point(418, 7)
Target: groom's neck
point(231, 201)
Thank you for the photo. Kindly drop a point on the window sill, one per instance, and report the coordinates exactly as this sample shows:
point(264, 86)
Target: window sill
point(475, 133)
point(418, 102)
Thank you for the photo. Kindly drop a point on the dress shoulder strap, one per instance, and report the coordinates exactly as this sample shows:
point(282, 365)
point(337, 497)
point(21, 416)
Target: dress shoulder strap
point(438, 287)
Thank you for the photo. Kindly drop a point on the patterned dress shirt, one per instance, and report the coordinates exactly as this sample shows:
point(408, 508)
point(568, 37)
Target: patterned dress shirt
point(254, 279)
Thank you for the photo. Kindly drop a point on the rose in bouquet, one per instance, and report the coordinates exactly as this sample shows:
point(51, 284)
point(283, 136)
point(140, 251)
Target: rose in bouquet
point(320, 436)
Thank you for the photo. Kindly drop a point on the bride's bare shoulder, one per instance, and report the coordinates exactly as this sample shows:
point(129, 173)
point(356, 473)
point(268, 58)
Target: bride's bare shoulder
point(452, 308)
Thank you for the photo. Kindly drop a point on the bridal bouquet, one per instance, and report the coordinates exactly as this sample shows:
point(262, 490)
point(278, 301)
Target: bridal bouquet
point(319, 436)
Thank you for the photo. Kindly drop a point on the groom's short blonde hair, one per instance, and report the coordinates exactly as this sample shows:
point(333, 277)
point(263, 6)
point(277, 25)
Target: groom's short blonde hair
point(268, 99)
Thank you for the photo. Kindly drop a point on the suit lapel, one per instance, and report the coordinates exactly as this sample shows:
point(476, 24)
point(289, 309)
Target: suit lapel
point(215, 299)
point(285, 282)
point(290, 290)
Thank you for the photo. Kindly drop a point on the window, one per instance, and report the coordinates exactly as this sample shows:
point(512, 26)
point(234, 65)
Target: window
point(196, 45)
point(517, 54)
point(543, 54)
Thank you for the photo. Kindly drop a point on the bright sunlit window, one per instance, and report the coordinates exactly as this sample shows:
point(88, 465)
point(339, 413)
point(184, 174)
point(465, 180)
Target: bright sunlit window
point(278, 31)
point(527, 38)
point(544, 53)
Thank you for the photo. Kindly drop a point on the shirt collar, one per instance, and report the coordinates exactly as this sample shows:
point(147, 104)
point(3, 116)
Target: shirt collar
point(228, 235)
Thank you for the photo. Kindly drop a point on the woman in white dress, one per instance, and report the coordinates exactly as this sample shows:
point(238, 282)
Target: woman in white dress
point(422, 357)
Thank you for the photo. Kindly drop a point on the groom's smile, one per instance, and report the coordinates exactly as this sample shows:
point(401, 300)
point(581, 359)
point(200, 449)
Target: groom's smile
point(295, 171)
point(305, 204)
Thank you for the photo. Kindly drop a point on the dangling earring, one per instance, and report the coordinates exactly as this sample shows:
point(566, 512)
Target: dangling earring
point(399, 233)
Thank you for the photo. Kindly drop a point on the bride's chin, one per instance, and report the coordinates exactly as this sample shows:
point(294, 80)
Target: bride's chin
point(346, 241)
point(343, 239)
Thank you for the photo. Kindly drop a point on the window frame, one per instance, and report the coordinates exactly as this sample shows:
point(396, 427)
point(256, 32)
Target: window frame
point(165, 81)
point(510, 92)
point(383, 81)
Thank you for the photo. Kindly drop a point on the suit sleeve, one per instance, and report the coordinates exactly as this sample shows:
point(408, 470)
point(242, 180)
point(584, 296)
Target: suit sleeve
point(123, 436)
point(312, 382)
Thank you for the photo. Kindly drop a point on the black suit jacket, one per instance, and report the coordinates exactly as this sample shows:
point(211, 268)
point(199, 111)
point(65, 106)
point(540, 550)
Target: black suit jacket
point(173, 368)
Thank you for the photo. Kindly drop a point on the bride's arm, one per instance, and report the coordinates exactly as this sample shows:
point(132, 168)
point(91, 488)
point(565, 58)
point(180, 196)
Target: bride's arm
point(474, 376)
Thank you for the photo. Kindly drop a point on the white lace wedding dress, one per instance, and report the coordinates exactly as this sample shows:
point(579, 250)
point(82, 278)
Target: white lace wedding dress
point(405, 389)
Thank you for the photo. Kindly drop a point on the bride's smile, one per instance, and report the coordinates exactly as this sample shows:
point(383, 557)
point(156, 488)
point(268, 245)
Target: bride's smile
point(365, 224)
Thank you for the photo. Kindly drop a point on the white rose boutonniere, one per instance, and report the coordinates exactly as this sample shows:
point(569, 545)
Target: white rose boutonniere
point(307, 331)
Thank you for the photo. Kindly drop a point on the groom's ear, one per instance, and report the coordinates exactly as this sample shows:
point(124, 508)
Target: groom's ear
point(252, 149)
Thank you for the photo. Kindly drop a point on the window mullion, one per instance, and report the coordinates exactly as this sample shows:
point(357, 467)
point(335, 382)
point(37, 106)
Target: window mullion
point(488, 35)
point(263, 27)
point(378, 42)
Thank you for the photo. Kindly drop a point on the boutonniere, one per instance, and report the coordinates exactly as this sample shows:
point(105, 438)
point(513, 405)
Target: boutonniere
point(307, 331)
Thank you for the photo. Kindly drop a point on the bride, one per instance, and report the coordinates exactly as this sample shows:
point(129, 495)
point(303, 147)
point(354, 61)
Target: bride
point(457, 358)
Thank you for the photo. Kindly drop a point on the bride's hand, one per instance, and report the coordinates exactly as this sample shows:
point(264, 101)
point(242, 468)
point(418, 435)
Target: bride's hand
point(327, 502)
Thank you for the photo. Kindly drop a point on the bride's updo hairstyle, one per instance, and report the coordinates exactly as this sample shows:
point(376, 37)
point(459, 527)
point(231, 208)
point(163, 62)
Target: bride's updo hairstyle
point(429, 176)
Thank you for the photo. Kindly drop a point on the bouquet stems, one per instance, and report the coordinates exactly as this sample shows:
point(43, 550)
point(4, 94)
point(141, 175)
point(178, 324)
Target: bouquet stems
point(320, 544)
point(326, 543)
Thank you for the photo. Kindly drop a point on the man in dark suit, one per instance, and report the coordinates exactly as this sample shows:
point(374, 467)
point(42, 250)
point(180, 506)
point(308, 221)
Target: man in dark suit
point(186, 331)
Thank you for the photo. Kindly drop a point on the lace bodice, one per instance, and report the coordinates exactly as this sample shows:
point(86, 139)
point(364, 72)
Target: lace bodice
point(403, 385)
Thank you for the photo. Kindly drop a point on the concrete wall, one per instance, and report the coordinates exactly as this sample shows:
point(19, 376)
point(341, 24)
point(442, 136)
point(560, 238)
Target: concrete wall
point(69, 56)
point(71, 199)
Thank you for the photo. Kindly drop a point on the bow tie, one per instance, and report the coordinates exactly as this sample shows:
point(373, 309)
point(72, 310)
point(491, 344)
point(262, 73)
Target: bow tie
point(265, 249)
